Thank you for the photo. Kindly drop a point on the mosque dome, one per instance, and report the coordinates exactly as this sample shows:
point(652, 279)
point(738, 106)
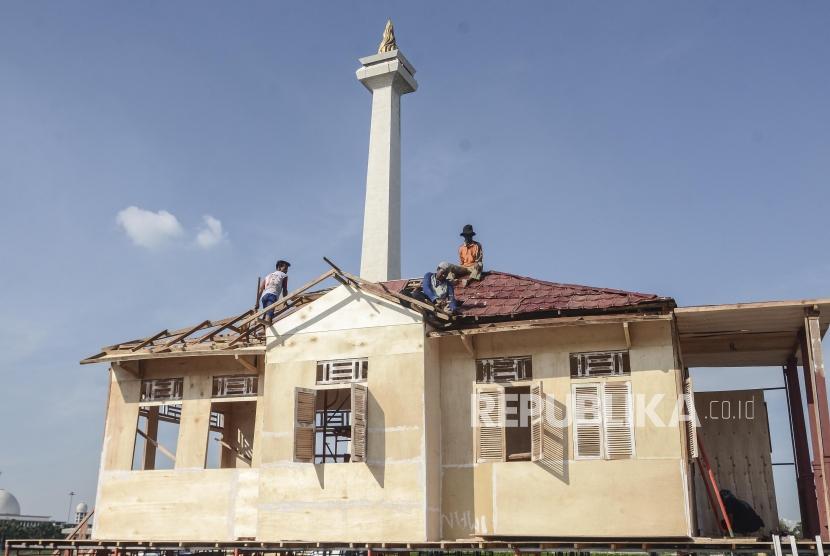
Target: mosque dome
point(81, 508)
point(8, 503)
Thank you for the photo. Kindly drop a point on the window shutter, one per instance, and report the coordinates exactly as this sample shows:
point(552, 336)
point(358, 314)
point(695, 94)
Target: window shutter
point(587, 421)
point(305, 401)
point(691, 415)
point(618, 421)
point(359, 403)
point(537, 420)
point(490, 444)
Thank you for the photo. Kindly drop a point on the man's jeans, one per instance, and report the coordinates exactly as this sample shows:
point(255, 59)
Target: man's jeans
point(266, 300)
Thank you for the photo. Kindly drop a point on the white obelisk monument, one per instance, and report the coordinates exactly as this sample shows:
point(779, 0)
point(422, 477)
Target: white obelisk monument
point(387, 75)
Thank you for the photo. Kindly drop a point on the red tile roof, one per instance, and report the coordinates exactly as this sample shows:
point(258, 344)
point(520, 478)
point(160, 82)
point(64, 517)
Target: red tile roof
point(499, 294)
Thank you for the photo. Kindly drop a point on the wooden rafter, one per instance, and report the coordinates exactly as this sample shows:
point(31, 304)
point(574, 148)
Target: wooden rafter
point(245, 331)
point(180, 337)
point(382, 291)
point(148, 341)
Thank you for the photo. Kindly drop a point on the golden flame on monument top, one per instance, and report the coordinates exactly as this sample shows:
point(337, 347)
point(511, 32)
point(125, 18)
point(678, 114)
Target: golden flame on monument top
point(387, 43)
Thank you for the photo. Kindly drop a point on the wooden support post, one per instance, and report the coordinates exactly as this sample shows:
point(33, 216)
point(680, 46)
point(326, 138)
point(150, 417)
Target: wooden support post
point(817, 410)
point(804, 473)
point(152, 432)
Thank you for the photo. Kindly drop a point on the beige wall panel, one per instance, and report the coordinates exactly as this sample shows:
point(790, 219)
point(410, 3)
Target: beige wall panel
point(204, 365)
point(658, 431)
point(496, 499)
point(172, 504)
point(344, 308)
point(195, 422)
point(259, 419)
point(484, 499)
point(575, 338)
point(355, 502)
point(601, 498)
point(432, 438)
point(457, 378)
point(396, 391)
point(384, 499)
point(245, 501)
point(363, 342)
point(122, 420)
point(390, 522)
point(459, 519)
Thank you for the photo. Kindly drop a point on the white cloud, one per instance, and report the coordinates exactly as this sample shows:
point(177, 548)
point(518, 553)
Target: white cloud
point(212, 234)
point(149, 229)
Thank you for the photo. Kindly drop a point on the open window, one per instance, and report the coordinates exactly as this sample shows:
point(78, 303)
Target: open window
point(603, 420)
point(232, 419)
point(330, 424)
point(156, 437)
point(509, 423)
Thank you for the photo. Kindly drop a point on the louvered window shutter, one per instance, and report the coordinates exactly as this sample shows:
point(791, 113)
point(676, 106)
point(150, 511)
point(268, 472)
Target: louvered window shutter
point(490, 444)
point(537, 419)
point(304, 435)
point(618, 420)
point(359, 403)
point(691, 415)
point(587, 421)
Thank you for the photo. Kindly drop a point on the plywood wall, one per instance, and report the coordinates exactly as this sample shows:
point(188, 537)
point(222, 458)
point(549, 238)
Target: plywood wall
point(735, 434)
point(560, 496)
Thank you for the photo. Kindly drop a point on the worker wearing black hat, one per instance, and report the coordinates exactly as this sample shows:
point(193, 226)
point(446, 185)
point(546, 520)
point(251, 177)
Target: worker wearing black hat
point(470, 256)
point(274, 285)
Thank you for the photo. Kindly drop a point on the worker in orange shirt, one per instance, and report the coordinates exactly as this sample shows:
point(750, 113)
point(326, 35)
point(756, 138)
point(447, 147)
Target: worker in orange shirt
point(470, 257)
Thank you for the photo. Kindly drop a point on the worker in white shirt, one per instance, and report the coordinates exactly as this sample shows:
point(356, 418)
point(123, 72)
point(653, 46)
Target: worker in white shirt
point(274, 286)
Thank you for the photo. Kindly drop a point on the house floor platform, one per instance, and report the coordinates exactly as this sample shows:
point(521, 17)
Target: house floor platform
point(699, 545)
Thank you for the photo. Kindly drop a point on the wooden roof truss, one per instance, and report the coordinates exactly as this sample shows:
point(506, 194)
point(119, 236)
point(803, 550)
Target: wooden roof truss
point(246, 330)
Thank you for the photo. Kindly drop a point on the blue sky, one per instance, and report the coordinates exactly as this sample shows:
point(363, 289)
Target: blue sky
point(680, 148)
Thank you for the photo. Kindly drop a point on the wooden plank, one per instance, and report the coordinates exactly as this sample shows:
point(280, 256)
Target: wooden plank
point(509, 326)
point(157, 445)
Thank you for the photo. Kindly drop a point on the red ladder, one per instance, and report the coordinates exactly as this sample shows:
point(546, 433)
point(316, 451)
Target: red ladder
point(711, 486)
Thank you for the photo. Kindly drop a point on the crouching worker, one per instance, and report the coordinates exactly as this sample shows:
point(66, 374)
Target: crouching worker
point(438, 289)
point(274, 286)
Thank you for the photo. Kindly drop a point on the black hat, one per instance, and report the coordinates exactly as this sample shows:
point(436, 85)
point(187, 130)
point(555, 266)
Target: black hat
point(467, 231)
point(281, 262)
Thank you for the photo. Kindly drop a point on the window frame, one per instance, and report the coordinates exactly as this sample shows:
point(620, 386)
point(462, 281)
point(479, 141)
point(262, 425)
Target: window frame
point(575, 361)
point(603, 421)
point(360, 371)
point(518, 381)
